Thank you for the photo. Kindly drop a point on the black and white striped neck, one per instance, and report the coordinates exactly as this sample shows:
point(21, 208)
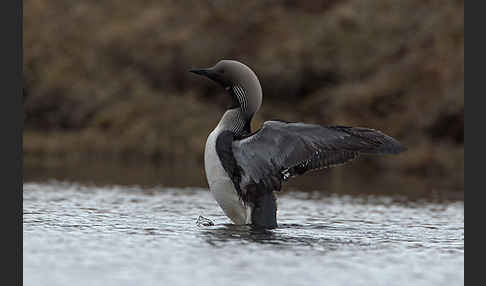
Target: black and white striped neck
point(236, 121)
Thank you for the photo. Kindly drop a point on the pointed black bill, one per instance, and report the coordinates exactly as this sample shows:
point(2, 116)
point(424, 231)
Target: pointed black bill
point(200, 71)
point(211, 73)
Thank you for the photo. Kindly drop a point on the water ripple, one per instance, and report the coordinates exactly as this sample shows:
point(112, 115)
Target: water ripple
point(86, 235)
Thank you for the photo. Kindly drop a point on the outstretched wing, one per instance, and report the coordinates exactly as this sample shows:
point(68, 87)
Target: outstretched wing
point(280, 150)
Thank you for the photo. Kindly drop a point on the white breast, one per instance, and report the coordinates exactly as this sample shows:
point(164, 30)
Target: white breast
point(220, 183)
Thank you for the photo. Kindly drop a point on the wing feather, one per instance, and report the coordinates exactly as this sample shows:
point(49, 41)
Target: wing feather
point(281, 150)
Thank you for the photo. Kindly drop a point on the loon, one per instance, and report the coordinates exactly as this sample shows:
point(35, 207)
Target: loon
point(245, 168)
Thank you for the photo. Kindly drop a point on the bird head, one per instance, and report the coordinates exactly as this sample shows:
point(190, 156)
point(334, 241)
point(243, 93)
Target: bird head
point(239, 81)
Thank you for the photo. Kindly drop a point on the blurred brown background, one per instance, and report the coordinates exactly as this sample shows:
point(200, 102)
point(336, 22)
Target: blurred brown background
point(108, 98)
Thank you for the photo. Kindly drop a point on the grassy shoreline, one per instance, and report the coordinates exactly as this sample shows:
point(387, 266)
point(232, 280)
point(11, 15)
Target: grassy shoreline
point(115, 90)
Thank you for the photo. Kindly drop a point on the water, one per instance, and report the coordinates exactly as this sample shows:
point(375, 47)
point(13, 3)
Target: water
point(87, 235)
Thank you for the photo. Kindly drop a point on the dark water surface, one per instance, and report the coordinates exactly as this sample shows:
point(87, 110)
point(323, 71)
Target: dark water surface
point(87, 235)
